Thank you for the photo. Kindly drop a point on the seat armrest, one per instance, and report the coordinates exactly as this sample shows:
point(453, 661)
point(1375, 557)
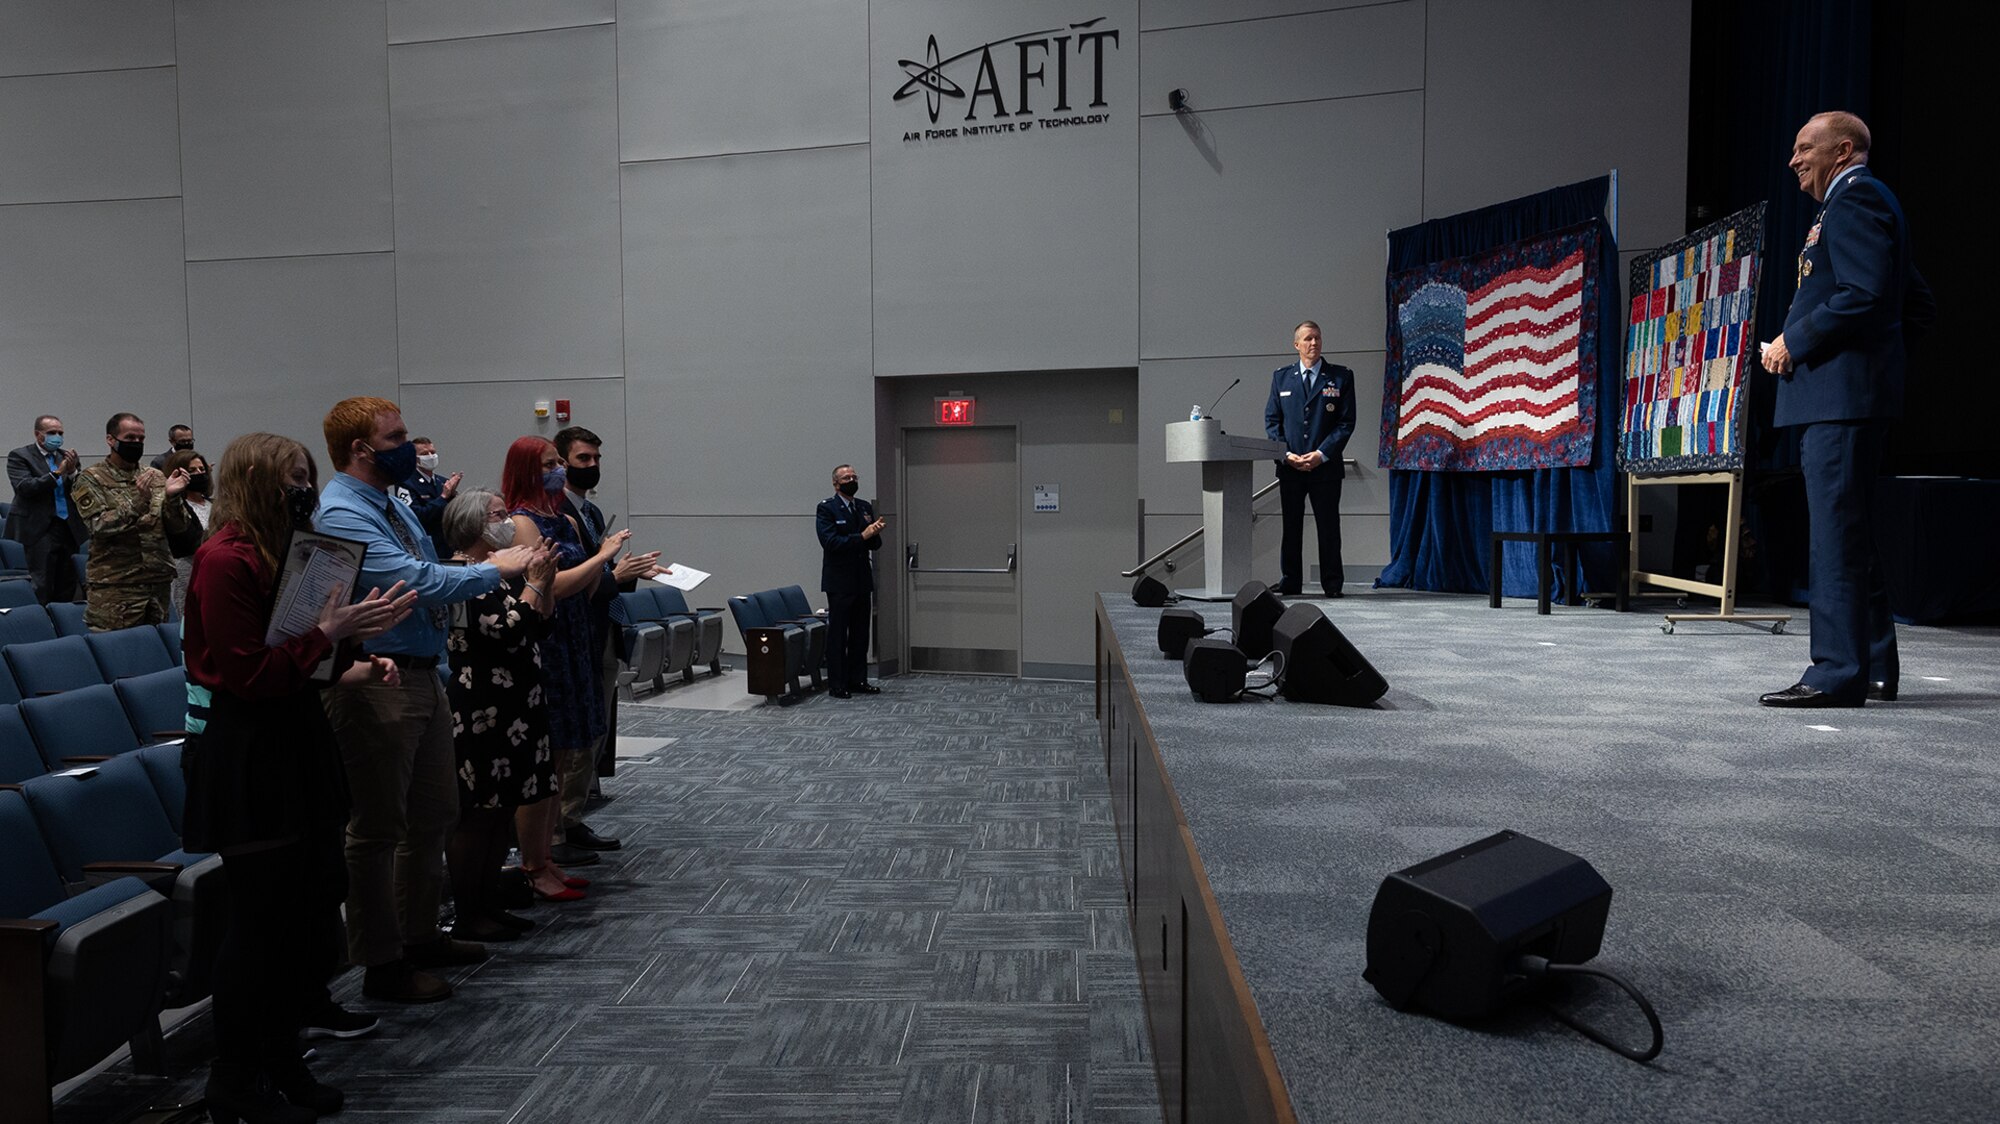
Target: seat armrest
point(157, 875)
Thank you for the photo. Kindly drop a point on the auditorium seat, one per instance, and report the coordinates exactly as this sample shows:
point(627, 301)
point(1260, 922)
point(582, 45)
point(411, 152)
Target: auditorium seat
point(85, 722)
point(25, 624)
point(130, 651)
point(163, 768)
point(113, 814)
point(155, 703)
point(801, 611)
point(778, 612)
point(19, 759)
point(17, 591)
point(102, 954)
point(13, 559)
point(752, 611)
point(68, 618)
point(645, 643)
point(170, 635)
point(52, 666)
point(708, 628)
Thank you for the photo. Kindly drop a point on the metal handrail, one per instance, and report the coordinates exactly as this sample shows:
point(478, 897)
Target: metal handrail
point(1345, 463)
point(910, 564)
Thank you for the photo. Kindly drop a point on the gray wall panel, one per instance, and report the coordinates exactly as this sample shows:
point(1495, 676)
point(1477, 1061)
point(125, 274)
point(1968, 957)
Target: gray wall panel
point(413, 21)
point(746, 289)
point(285, 128)
point(1323, 55)
point(96, 312)
point(1183, 13)
point(506, 166)
point(73, 137)
point(59, 36)
point(1004, 252)
point(473, 431)
point(695, 79)
point(1496, 129)
point(1247, 230)
point(275, 342)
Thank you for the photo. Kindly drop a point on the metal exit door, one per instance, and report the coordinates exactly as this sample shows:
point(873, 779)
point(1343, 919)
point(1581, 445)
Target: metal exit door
point(961, 532)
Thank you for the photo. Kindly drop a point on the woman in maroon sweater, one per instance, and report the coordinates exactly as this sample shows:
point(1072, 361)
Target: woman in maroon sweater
point(265, 785)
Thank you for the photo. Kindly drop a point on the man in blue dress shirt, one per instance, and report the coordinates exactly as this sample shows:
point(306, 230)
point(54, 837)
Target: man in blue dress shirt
point(1840, 368)
point(1311, 409)
point(397, 741)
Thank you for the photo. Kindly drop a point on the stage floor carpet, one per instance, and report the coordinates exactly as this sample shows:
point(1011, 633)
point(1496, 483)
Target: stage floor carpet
point(1810, 898)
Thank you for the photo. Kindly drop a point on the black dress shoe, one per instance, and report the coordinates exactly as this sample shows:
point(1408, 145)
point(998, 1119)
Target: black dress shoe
point(865, 689)
point(1335, 593)
point(1800, 695)
point(569, 854)
point(839, 693)
point(580, 835)
point(1882, 692)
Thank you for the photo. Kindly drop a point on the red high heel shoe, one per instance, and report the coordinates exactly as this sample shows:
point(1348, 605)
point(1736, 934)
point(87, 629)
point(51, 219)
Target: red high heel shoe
point(569, 893)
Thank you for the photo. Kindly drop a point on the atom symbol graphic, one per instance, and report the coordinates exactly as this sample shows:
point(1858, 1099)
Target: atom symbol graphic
point(930, 76)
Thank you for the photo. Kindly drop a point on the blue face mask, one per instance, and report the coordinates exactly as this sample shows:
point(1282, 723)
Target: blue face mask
point(554, 479)
point(397, 463)
point(51, 441)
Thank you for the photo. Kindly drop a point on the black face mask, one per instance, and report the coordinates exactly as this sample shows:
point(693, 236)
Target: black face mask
point(847, 487)
point(198, 482)
point(301, 502)
point(582, 480)
point(183, 445)
point(132, 450)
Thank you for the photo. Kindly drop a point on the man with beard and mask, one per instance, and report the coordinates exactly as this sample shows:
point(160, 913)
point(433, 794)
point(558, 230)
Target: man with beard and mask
point(129, 509)
point(180, 439)
point(426, 492)
point(396, 740)
point(848, 530)
point(582, 453)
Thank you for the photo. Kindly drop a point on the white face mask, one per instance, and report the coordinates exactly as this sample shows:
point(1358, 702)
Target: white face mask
point(428, 462)
point(499, 535)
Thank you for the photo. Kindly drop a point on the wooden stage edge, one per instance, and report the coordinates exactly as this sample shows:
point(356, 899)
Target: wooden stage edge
point(1213, 1057)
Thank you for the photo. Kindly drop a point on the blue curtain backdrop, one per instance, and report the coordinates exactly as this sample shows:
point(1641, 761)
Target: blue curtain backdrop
point(1439, 522)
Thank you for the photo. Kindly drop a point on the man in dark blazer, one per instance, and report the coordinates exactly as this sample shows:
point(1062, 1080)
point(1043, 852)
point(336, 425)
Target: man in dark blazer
point(1311, 409)
point(582, 451)
point(426, 492)
point(848, 530)
point(44, 517)
point(1840, 367)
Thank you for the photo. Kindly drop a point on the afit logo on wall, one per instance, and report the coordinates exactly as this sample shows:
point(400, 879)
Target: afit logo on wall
point(1029, 97)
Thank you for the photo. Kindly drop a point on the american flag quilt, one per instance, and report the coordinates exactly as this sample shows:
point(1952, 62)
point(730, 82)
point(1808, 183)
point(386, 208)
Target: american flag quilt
point(1492, 359)
point(1690, 345)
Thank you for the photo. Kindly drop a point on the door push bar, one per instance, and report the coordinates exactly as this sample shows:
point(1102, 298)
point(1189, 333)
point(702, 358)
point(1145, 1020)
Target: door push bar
point(910, 563)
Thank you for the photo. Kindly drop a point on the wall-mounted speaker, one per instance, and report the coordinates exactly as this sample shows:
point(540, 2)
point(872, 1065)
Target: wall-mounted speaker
point(1444, 935)
point(1177, 627)
point(1149, 591)
point(1251, 616)
point(1320, 664)
point(1215, 670)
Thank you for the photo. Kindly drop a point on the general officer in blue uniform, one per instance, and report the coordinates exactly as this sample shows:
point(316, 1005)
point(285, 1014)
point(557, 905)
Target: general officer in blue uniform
point(848, 531)
point(1840, 367)
point(1311, 409)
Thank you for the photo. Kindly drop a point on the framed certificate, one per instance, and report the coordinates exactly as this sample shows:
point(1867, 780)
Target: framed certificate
point(313, 566)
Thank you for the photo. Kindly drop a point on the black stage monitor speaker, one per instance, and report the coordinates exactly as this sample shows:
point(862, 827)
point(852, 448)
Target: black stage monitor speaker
point(1320, 666)
point(1149, 591)
point(1252, 614)
point(1215, 670)
point(1177, 627)
point(1444, 934)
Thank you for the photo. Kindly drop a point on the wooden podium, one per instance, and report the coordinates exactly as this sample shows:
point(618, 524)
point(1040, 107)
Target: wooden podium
point(1226, 461)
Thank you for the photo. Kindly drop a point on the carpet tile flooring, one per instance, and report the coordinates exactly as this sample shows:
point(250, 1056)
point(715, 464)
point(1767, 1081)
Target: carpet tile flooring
point(900, 908)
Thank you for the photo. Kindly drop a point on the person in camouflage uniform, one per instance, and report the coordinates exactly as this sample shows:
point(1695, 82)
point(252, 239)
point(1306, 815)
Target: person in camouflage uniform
point(130, 510)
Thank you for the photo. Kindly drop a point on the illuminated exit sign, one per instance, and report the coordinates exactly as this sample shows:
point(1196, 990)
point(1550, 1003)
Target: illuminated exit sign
point(955, 411)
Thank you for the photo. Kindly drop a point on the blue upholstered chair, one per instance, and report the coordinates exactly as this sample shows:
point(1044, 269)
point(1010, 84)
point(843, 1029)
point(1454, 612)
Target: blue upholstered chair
point(130, 651)
point(17, 591)
point(170, 635)
point(88, 722)
point(155, 703)
point(102, 954)
point(25, 624)
point(51, 666)
point(759, 628)
point(19, 759)
point(68, 618)
point(708, 628)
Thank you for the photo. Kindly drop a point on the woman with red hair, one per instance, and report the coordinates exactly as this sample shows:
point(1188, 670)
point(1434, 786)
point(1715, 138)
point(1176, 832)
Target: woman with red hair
point(531, 483)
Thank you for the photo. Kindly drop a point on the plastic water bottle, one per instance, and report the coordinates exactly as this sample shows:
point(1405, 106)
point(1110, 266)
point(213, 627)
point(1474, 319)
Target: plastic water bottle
point(1195, 414)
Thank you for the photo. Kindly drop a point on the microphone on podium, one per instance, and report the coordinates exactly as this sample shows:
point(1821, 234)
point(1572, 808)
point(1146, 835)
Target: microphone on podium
point(1200, 413)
